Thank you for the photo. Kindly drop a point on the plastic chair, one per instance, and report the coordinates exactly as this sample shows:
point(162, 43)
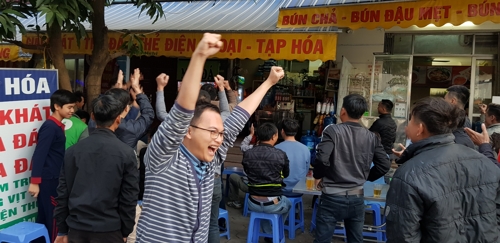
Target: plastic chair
point(377, 221)
point(293, 223)
point(223, 214)
point(338, 230)
point(245, 205)
point(254, 233)
point(24, 232)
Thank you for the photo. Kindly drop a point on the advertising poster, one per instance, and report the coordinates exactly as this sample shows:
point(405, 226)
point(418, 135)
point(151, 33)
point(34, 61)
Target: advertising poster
point(24, 106)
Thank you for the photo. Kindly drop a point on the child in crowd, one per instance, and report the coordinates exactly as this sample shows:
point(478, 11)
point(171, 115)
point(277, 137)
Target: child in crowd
point(49, 157)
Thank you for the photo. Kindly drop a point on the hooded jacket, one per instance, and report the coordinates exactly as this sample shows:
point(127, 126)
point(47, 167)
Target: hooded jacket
point(444, 192)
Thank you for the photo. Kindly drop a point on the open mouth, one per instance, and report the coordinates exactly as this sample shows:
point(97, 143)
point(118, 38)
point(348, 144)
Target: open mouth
point(212, 150)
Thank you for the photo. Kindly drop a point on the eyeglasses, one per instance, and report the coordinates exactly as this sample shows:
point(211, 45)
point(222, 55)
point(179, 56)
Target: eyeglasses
point(214, 134)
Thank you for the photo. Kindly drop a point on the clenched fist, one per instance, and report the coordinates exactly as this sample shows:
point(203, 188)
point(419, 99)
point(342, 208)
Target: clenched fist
point(219, 81)
point(276, 74)
point(209, 45)
point(162, 81)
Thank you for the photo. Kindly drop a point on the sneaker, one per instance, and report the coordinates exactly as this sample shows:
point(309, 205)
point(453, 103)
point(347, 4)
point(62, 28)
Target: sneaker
point(234, 204)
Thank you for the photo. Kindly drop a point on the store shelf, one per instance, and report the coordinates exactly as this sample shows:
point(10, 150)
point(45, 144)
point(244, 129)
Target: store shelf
point(303, 109)
point(305, 97)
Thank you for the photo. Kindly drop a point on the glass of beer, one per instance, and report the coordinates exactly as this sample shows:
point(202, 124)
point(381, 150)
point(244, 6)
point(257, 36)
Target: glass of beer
point(377, 190)
point(310, 183)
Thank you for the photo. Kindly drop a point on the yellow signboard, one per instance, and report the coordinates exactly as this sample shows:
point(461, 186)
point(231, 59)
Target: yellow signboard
point(388, 15)
point(13, 53)
point(280, 46)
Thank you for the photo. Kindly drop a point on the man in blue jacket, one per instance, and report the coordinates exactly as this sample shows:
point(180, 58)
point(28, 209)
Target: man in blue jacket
point(130, 131)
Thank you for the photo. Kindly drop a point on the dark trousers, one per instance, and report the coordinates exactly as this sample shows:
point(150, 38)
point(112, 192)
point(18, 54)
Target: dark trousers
point(334, 208)
point(214, 232)
point(79, 236)
point(46, 202)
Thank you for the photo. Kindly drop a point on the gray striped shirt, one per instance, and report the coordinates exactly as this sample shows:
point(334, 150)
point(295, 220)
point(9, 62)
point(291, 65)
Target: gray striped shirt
point(170, 207)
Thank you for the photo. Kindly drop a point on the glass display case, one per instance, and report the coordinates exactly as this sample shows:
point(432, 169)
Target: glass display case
point(391, 80)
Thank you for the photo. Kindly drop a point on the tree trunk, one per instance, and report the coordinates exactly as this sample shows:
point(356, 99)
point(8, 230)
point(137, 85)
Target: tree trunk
point(100, 53)
point(57, 55)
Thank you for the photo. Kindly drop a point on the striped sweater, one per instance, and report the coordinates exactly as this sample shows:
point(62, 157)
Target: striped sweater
point(171, 198)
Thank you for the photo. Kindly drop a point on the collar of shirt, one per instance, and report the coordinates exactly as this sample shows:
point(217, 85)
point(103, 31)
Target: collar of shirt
point(58, 123)
point(199, 166)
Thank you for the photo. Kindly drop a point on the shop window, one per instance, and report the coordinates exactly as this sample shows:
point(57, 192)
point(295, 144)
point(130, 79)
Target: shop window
point(443, 44)
point(75, 67)
point(486, 44)
point(71, 67)
point(402, 44)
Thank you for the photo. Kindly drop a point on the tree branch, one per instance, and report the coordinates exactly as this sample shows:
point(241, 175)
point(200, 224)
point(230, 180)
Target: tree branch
point(26, 46)
point(118, 54)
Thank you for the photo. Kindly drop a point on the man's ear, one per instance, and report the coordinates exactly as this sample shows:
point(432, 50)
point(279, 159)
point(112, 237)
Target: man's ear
point(118, 120)
point(188, 134)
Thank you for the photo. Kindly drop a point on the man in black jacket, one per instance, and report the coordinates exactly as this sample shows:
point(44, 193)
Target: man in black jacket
point(266, 166)
point(385, 126)
point(99, 183)
point(342, 166)
point(458, 95)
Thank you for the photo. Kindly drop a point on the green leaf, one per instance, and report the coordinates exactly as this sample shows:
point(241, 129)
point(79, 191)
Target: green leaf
point(86, 5)
point(39, 3)
point(14, 12)
point(49, 18)
point(4, 22)
point(130, 44)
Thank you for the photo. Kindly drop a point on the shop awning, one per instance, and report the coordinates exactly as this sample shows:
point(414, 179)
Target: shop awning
point(235, 17)
point(13, 53)
point(280, 46)
point(387, 15)
point(227, 15)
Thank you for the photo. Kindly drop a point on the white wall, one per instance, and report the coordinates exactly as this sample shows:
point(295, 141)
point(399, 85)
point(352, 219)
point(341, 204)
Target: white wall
point(359, 45)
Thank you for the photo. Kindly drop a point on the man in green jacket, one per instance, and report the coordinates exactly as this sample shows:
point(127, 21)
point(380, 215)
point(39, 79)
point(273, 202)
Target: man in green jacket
point(75, 130)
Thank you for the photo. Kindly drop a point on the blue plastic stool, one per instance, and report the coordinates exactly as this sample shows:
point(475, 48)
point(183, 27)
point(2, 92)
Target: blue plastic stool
point(223, 214)
point(377, 221)
point(245, 205)
point(24, 232)
point(254, 233)
point(338, 230)
point(293, 223)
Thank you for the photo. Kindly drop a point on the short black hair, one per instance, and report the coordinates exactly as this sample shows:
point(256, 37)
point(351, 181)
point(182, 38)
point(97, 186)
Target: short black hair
point(460, 92)
point(79, 96)
point(204, 95)
point(290, 126)
point(266, 131)
point(388, 105)
point(438, 116)
point(61, 97)
point(106, 109)
point(83, 114)
point(355, 105)
point(121, 95)
point(202, 106)
point(210, 88)
point(494, 110)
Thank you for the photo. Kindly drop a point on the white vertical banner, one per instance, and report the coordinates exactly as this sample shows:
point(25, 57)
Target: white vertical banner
point(24, 106)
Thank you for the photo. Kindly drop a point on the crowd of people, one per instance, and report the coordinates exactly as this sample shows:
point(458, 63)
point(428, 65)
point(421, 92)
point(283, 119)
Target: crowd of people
point(91, 170)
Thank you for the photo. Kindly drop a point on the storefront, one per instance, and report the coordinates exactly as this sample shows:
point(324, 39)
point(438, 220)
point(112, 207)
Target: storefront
point(411, 50)
point(12, 56)
point(245, 55)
